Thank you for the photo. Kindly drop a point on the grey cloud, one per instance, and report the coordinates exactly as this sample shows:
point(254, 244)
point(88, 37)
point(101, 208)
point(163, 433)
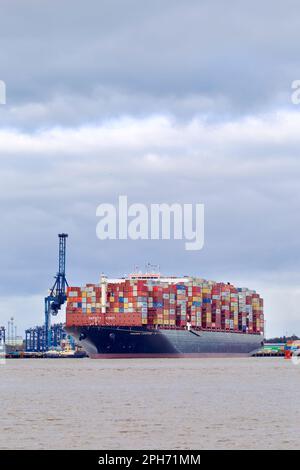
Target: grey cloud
point(184, 58)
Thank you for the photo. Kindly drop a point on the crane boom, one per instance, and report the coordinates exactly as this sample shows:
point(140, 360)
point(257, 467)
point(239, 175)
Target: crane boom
point(57, 295)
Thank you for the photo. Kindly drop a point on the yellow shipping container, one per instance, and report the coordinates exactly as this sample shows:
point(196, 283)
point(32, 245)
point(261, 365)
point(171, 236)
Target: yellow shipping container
point(205, 290)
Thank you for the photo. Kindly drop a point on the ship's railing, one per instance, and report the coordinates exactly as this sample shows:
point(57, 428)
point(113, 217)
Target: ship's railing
point(170, 327)
point(201, 328)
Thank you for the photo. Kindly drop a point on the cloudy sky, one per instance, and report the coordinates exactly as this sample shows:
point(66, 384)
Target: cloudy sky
point(173, 101)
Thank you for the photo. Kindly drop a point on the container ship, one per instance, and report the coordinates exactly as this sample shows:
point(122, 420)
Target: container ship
point(147, 315)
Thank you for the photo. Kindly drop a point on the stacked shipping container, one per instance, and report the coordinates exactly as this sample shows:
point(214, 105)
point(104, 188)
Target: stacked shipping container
point(195, 302)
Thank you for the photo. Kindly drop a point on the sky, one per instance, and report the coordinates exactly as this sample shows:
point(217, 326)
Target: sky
point(165, 102)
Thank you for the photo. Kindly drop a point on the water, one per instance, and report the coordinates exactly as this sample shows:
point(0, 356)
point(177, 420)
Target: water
point(155, 403)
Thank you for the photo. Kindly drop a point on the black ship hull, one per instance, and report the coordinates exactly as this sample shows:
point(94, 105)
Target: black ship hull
point(114, 342)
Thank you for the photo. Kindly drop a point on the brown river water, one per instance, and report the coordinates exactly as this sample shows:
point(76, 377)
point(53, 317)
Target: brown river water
point(246, 403)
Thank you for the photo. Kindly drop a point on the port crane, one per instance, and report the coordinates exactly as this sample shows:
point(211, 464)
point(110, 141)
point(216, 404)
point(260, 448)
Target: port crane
point(57, 295)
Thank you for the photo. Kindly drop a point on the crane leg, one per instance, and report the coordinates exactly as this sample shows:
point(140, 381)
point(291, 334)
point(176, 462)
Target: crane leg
point(47, 324)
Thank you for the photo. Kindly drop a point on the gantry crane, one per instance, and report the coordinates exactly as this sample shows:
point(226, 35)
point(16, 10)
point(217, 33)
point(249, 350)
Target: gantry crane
point(57, 295)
